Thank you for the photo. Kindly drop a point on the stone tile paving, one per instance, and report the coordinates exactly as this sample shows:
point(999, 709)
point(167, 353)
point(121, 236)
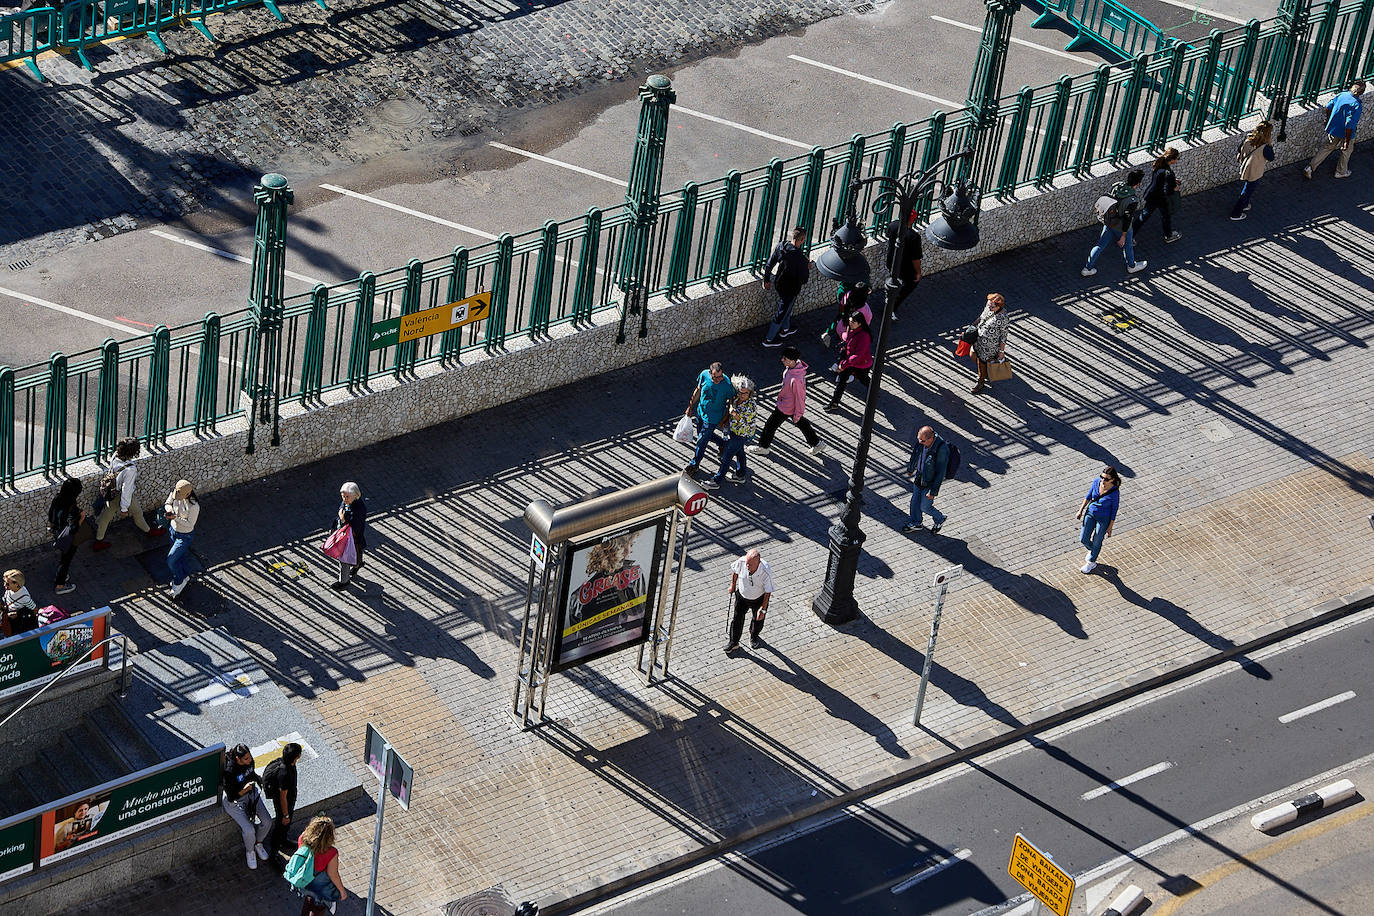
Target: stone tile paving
point(1236, 404)
point(149, 137)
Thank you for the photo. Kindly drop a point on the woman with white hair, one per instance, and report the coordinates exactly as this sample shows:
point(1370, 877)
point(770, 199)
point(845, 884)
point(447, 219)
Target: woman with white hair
point(742, 415)
point(353, 513)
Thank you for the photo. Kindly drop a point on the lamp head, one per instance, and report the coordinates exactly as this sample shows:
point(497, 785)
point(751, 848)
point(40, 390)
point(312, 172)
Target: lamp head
point(956, 228)
point(844, 260)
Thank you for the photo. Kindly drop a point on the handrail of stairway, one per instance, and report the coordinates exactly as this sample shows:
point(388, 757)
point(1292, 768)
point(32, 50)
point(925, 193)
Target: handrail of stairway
point(123, 674)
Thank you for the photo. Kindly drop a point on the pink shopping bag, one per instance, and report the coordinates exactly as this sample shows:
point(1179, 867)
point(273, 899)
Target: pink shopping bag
point(339, 545)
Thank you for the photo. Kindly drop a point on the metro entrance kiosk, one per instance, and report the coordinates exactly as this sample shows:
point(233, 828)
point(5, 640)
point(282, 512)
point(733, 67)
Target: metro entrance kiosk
point(599, 575)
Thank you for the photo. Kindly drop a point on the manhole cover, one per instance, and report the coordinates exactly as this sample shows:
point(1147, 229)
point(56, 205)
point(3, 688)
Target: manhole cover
point(402, 113)
point(494, 901)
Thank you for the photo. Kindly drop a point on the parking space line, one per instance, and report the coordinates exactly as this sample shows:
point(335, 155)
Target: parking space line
point(1018, 41)
point(1316, 707)
point(562, 165)
point(1126, 781)
point(65, 310)
point(737, 126)
point(227, 255)
point(1199, 11)
point(877, 82)
point(409, 212)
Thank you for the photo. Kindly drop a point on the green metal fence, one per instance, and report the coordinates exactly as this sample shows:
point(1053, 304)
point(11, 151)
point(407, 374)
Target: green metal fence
point(191, 377)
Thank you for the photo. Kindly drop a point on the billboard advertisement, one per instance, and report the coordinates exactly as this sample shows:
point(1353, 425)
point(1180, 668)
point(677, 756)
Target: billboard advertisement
point(31, 659)
point(17, 847)
point(608, 588)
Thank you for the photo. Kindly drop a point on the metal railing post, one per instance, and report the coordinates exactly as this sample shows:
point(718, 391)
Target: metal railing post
point(410, 304)
point(542, 297)
point(1092, 118)
point(853, 170)
point(725, 229)
point(7, 431)
point(1048, 165)
point(159, 378)
point(207, 374)
point(811, 192)
point(1321, 49)
point(451, 343)
point(1017, 134)
point(1240, 76)
point(1204, 88)
point(358, 356)
point(1130, 104)
point(500, 293)
point(584, 293)
point(55, 416)
point(681, 260)
point(892, 168)
point(107, 399)
point(768, 216)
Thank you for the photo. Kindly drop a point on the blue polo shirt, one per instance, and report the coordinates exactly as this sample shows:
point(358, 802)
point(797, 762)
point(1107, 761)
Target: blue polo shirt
point(1345, 114)
point(715, 397)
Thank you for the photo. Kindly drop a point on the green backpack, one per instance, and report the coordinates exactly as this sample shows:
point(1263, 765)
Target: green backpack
point(300, 871)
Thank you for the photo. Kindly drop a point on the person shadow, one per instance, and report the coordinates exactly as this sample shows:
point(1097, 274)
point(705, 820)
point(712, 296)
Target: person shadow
point(1180, 618)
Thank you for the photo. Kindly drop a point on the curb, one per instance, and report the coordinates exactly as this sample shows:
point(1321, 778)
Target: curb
point(1290, 811)
point(1318, 616)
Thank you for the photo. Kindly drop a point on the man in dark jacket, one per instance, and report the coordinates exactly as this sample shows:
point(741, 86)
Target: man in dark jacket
point(787, 269)
point(279, 785)
point(929, 460)
point(909, 272)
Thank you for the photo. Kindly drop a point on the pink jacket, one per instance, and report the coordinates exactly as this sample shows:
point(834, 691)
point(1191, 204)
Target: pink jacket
point(792, 397)
point(858, 349)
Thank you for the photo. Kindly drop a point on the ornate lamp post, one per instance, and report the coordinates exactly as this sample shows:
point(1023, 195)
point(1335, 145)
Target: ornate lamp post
point(1290, 48)
point(641, 198)
point(955, 229)
point(273, 195)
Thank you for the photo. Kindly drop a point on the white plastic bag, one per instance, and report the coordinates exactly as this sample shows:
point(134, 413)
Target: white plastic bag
point(686, 431)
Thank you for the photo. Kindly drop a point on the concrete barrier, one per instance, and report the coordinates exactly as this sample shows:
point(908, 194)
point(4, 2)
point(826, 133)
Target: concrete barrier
point(1290, 811)
point(1126, 902)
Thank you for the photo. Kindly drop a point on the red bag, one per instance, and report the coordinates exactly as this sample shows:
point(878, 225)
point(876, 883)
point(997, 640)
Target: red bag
point(340, 546)
point(963, 349)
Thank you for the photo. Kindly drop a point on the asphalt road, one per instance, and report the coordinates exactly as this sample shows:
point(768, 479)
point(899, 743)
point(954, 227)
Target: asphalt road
point(1084, 795)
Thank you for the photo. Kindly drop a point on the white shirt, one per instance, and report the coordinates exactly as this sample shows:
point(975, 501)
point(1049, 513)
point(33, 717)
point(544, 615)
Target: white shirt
point(184, 513)
point(752, 585)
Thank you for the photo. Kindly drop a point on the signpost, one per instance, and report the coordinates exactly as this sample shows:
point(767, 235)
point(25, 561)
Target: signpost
point(942, 583)
point(1037, 873)
point(396, 778)
point(429, 322)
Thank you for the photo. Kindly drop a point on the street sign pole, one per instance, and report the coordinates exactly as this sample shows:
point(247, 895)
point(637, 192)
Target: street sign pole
point(377, 834)
point(942, 584)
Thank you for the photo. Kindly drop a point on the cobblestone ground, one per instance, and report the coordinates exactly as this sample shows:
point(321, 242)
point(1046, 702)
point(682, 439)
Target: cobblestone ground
point(1231, 388)
point(149, 137)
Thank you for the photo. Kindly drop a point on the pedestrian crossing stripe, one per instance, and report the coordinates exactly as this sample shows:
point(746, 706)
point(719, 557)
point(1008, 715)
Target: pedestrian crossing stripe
point(1119, 320)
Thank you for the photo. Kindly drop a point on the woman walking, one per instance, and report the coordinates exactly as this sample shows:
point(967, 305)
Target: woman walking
point(1254, 154)
point(123, 475)
point(20, 612)
point(992, 338)
point(742, 416)
point(353, 513)
point(1160, 195)
point(65, 518)
point(182, 511)
point(856, 361)
point(326, 889)
point(1098, 514)
point(791, 405)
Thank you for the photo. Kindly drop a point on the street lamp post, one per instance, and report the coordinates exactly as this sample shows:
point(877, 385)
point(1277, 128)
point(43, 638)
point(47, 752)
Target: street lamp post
point(956, 229)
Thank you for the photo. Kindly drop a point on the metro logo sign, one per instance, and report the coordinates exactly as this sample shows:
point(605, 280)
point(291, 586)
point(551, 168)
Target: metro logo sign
point(694, 504)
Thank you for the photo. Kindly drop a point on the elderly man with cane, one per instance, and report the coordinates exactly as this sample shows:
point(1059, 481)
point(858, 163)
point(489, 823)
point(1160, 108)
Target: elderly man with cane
point(751, 584)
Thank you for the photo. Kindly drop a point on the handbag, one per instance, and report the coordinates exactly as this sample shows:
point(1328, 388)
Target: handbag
point(686, 431)
point(999, 371)
point(970, 335)
point(963, 349)
point(340, 546)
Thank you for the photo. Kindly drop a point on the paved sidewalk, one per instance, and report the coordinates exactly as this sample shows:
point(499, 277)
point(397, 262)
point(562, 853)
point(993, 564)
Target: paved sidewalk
point(1235, 403)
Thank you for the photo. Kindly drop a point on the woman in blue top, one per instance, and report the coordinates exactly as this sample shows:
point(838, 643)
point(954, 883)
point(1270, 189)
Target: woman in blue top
point(1098, 514)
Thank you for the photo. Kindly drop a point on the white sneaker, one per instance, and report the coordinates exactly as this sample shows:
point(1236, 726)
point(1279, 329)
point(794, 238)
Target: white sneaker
point(1087, 558)
point(179, 587)
point(1137, 267)
point(1307, 172)
point(1088, 272)
point(758, 449)
point(261, 851)
point(1345, 174)
point(816, 450)
point(252, 861)
point(1088, 567)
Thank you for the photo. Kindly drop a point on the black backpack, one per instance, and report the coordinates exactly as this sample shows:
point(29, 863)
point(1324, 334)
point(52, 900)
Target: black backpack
point(952, 464)
point(272, 778)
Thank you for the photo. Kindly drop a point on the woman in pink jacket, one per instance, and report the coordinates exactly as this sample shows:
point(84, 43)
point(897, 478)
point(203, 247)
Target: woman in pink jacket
point(790, 406)
point(856, 361)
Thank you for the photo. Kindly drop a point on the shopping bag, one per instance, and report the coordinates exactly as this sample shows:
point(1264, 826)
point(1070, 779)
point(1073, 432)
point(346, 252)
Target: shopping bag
point(963, 349)
point(686, 431)
point(340, 546)
point(999, 371)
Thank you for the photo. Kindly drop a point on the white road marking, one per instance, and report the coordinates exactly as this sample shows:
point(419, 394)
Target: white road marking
point(1194, 8)
point(917, 878)
point(1316, 707)
point(562, 165)
point(737, 126)
point(409, 212)
point(954, 106)
point(75, 313)
point(1017, 41)
point(1127, 780)
point(228, 255)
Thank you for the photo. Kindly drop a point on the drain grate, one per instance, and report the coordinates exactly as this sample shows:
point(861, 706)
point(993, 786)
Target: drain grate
point(864, 8)
point(471, 129)
point(20, 264)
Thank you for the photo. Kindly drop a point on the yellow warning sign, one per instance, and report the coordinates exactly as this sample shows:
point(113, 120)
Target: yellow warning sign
point(1034, 871)
point(445, 317)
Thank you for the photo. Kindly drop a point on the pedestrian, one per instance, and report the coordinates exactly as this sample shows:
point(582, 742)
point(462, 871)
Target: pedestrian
point(791, 405)
point(856, 360)
point(1342, 116)
point(848, 300)
point(927, 467)
point(787, 270)
point(353, 513)
point(116, 495)
point(182, 510)
point(908, 274)
point(991, 342)
point(65, 519)
point(751, 584)
point(279, 785)
point(743, 413)
point(20, 611)
point(325, 889)
point(708, 408)
point(1254, 154)
point(1116, 212)
point(1098, 514)
point(243, 801)
point(1162, 195)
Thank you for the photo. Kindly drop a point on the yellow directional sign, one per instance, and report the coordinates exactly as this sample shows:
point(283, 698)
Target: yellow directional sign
point(1034, 871)
point(445, 317)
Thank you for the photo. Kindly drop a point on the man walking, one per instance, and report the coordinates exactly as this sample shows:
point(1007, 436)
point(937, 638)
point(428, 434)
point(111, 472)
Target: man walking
point(751, 582)
point(708, 407)
point(1343, 114)
point(791, 405)
point(909, 272)
point(788, 270)
point(279, 786)
point(1118, 223)
point(929, 461)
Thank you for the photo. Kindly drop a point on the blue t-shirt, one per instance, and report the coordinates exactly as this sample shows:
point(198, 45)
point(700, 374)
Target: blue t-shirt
point(1345, 114)
point(715, 397)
